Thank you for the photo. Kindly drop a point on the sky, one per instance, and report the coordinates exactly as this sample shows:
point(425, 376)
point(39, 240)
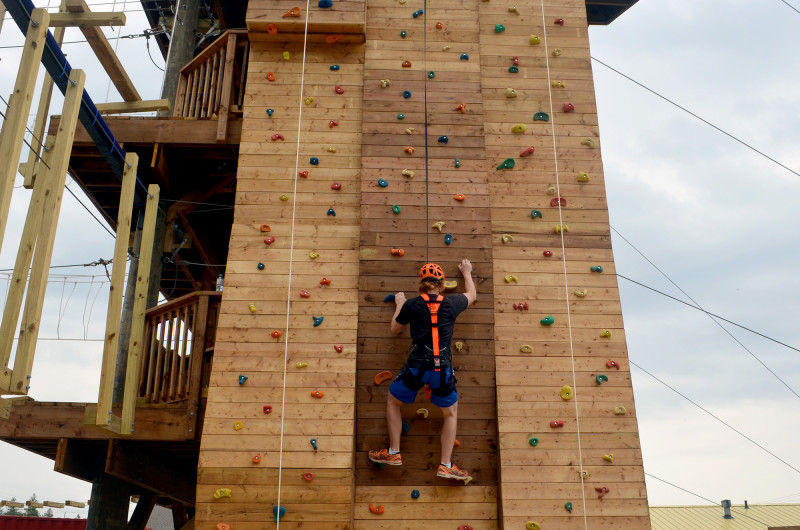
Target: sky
point(715, 216)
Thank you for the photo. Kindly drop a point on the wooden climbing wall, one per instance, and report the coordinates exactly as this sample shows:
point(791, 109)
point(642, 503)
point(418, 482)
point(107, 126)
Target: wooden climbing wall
point(507, 396)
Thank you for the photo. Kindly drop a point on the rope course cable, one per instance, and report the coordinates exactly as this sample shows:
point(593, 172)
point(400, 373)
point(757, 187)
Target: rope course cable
point(790, 6)
point(575, 392)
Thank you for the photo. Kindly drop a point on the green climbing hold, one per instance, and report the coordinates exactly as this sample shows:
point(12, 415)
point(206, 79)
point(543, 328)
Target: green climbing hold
point(513, 69)
point(568, 506)
point(600, 378)
point(508, 163)
point(499, 28)
point(396, 209)
point(535, 214)
point(431, 75)
point(541, 116)
point(548, 320)
point(534, 441)
point(597, 268)
point(401, 116)
point(458, 162)
point(403, 34)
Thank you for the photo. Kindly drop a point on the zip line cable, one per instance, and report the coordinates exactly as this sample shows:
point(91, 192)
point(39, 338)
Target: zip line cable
point(717, 418)
point(790, 6)
point(729, 135)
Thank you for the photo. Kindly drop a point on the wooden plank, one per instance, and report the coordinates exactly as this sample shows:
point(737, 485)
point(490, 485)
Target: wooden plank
point(86, 20)
point(227, 89)
point(133, 106)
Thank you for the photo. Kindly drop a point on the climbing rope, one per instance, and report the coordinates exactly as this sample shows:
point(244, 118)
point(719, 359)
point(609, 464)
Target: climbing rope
point(564, 263)
point(425, 94)
point(291, 262)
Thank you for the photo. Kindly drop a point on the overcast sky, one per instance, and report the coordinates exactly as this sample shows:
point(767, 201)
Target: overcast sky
point(718, 218)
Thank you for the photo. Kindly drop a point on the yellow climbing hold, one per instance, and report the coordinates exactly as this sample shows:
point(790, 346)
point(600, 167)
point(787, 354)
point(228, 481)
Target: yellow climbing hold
point(302, 365)
point(408, 173)
point(459, 346)
point(313, 255)
point(511, 278)
point(535, 39)
point(583, 177)
point(518, 128)
point(331, 149)
point(619, 410)
point(284, 197)
point(533, 525)
point(581, 293)
point(237, 425)
point(583, 474)
point(222, 492)
point(450, 284)
point(309, 100)
point(609, 458)
point(410, 130)
point(560, 228)
point(566, 392)
point(526, 348)
point(438, 225)
point(508, 238)
point(252, 308)
point(286, 56)
point(445, 47)
point(422, 412)
point(385, 83)
point(513, 9)
point(557, 52)
point(511, 93)
point(558, 84)
point(551, 190)
point(606, 334)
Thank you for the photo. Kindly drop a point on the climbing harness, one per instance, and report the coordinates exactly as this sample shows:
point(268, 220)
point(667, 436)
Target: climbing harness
point(433, 307)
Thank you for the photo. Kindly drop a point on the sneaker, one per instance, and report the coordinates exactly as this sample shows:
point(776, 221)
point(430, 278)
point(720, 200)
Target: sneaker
point(383, 457)
point(452, 472)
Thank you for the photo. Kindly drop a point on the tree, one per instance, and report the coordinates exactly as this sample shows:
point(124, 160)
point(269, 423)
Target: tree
point(10, 510)
point(31, 511)
point(48, 513)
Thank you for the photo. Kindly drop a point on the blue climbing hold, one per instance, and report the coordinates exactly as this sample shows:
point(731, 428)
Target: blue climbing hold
point(535, 214)
point(382, 183)
point(406, 94)
point(314, 161)
point(513, 69)
point(314, 443)
point(415, 494)
point(242, 379)
point(465, 57)
point(448, 238)
point(417, 13)
point(260, 266)
point(278, 512)
point(332, 212)
point(406, 427)
point(270, 111)
point(403, 34)
point(317, 320)
point(335, 67)
point(389, 298)
point(431, 74)
point(458, 162)
point(443, 139)
point(401, 116)
point(325, 3)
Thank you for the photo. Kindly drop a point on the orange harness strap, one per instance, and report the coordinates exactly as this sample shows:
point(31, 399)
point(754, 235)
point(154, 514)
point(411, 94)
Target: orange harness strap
point(433, 307)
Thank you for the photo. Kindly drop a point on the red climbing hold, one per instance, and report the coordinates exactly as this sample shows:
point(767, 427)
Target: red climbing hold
point(612, 364)
point(406, 64)
point(304, 293)
point(522, 306)
point(528, 151)
point(338, 348)
point(257, 458)
point(269, 240)
point(308, 476)
point(560, 21)
point(336, 186)
point(267, 409)
point(515, 60)
point(547, 253)
point(568, 107)
point(465, 527)
point(339, 90)
point(330, 39)
point(556, 423)
point(276, 137)
point(555, 201)
point(324, 281)
point(333, 124)
point(601, 491)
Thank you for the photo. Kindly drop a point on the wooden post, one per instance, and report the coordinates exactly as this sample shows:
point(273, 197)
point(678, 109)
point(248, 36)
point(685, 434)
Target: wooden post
point(227, 89)
point(54, 191)
point(181, 47)
point(29, 169)
point(139, 307)
point(124, 219)
point(17, 116)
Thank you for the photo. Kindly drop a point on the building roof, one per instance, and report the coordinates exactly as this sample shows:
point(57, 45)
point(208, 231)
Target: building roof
point(602, 12)
point(757, 517)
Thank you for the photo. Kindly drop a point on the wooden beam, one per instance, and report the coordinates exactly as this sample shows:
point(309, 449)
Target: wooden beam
point(227, 89)
point(124, 220)
point(53, 193)
point(133, 106)
point(144, 507)
point(19, 107)
point(5, 408)
point(135, 344)
point(78, 459)
point(86, 20)
point(148, 130)
point(105, 54)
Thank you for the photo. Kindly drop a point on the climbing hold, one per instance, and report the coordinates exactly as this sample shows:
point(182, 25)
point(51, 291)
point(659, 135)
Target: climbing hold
point(619, 410)
point(609, 458)
point(406, 94)
point(566, 393)
point(518, 128)
point(515, 60)
point(314, 161)
point(406, 427)
point(293, 12)
point(324, 281)
point(222, 492)
point(407, 173)
point(375, 509)
point(450, 284)
point(242, 379)
point(317, 320)
point(257, 458)
point(252, 307)
point(507, 238)
point(513, 9)
point(448, 238)
point(331, 149)
point(459, 346)
point(338, 348)
point(276, 137)
point(601, 378)
point(276, 334)
point(511, 278)
point(266, 228)
point(601, 491)
point(587, 142)
point(410, 130)
point(286, 56)
point(532, 525)
point(513, 69)
point(535, 214)
point(612, 364)
point(526, 348)
point(596, 268)
point(559, 21)
point(583, 177)
point(223, 526)
point(606, 334)
point(522, 306)
point(499, 28)
point(458, 162)
point(415, 494)
point(330, 39)
point(558, 84)
point(581, 293)
point(464, 57)
point(270, 112)
point(336, 186)
point(403, 34)
point(551, 190)
point(560, 228)
point(547, 321)
point(422, 413)
point(382, 183)
point(332, 212)
point(270, 76)
point(438, 225)
point(260, 266)
point(313, 255)
point(557, 52)
point(583, 474)
point(333, 124)
point(568, 107)
point(409, 150)
point(338, 89)
point(278, 512)
point(313, 443)
point(237, 425)
point(385, 83)
point(556, 423)
point(461, 107)
point(406, 64)
point(401, 116)
point(528, 151)
point(568, 506)
point(459, 197)
point(535, 39)
point(382, 376)
point(508, 163)
point(396, 208)
point(417, 13)
point(511, 93)
point(303, 174)
point(304, 293)
point(443, 139)
point(308, 477)
point(309, 100)
point(335, 67)
point(317, 394)
point(439, 25)
point(541, 116)
point(272, 29)
point(398, 252)
point(267, 409)
point(558, 201)
point(431, 74)
point(533, 441)
point(547, 253)
point(445, 47)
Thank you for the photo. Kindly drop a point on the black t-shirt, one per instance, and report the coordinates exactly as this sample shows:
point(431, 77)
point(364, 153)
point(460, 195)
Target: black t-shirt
point(416, 313)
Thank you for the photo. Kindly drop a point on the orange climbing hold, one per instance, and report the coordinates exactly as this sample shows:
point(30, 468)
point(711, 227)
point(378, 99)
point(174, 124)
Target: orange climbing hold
point(333, 124)
point(398, 252)
point(382, 376)
point(324, 281)
point(406, 64)
point(456, 443)
point(460, 197)
point(293, 12)
point(270, 76)
point(317, 394)
point(257, 458)
point(439, 25)
point(272, 29)
point(223, 526)
point(330, 39)
point(265, 228)
point(303, 174)
point(375, 509)
point(462, 107)
point(409, 150)
point(276, 334)
point(528, 151)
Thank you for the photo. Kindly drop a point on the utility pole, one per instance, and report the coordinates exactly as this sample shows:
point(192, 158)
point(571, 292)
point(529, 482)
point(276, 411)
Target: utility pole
point(181, 46)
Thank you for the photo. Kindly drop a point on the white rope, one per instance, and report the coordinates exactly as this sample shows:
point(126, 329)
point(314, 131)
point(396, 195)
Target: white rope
point(564, 263)
point(291, 263)
point(85, 306)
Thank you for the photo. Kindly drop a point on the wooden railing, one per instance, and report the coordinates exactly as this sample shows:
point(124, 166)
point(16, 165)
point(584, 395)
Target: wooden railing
point(212, 84)
point(176, 337)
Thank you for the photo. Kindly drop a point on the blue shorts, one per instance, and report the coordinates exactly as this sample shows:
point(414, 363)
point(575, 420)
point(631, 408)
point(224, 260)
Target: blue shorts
point(400, 391)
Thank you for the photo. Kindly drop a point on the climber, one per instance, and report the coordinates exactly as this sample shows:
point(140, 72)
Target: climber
point(432, 317)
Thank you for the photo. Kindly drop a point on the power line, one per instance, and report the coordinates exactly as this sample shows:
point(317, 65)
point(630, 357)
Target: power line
point(696, 116)
point(790, 6)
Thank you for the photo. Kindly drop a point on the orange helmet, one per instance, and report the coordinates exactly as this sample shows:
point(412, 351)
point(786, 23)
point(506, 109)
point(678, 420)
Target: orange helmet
point(431, 271)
